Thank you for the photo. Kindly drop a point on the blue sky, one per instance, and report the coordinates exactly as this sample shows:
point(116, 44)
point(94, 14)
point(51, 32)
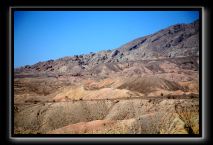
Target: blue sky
point(44, 35)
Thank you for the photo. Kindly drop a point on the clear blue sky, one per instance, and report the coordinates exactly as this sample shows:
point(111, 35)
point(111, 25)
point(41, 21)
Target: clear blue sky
point(44, 35)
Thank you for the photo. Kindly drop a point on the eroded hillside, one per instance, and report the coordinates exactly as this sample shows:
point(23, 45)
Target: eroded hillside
point(147, 86)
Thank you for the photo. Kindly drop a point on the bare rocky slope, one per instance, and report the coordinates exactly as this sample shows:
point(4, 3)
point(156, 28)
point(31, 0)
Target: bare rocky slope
point(180, 40)
point(147, 86)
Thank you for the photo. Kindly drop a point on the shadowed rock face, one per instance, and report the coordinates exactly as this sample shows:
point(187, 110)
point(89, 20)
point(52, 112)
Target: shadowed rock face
point(147, 86)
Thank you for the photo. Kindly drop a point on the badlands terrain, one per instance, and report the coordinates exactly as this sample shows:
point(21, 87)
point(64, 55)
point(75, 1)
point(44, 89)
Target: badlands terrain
point(147, 86)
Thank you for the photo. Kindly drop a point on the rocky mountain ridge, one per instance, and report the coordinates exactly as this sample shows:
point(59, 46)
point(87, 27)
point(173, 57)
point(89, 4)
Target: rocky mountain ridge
point(147, 86)
point(180, 40)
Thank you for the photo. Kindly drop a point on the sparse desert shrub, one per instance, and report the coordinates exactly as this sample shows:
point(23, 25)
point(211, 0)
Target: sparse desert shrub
point(162, 131)
point(116, 101)
point(16, 109)
point(110, 131)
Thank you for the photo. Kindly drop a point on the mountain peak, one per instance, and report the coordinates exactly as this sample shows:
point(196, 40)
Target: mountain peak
point(180, 40)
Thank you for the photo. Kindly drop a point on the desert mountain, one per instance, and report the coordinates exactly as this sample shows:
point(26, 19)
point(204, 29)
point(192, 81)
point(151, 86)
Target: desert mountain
point(180, 40)
point(147, 86)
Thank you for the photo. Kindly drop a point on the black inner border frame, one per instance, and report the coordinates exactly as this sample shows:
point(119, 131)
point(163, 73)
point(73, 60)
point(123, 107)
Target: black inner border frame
point(122, 8)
